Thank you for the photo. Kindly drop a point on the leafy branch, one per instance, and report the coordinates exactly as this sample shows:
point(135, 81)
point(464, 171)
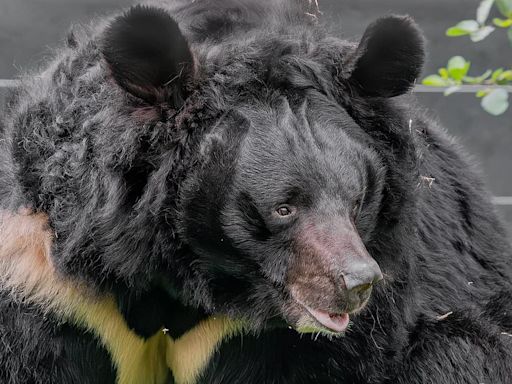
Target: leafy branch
point(456, 73)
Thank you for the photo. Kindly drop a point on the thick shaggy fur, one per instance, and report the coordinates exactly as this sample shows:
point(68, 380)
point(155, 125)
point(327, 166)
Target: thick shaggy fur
point(143, 178)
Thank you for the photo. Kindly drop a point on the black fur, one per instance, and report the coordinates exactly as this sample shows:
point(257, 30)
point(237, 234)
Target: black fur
point(37, 348)
point(167, 191)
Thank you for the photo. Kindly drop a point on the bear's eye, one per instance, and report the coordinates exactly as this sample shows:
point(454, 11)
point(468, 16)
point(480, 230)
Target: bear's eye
point(284, 211)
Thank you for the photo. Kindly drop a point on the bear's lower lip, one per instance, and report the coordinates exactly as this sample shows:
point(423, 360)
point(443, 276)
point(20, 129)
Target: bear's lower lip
point(335, 322)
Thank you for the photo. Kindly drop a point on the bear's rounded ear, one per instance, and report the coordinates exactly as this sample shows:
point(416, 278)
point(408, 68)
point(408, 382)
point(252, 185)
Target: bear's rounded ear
point(148, 55)
point(389, 57)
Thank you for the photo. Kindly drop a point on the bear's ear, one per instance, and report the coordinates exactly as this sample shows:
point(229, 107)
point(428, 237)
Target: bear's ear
point(389, 57)
point(148, 56)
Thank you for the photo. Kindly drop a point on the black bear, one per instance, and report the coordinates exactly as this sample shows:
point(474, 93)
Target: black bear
point(221, 192)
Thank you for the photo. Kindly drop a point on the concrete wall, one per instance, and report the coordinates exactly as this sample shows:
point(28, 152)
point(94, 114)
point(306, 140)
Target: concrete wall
point(30, 28)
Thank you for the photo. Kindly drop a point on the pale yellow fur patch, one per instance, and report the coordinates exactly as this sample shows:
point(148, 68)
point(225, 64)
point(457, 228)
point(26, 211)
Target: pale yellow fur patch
point(26, 270)
point(188, 356)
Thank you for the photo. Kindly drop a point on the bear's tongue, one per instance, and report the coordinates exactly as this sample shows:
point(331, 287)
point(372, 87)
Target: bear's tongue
point(336, 322)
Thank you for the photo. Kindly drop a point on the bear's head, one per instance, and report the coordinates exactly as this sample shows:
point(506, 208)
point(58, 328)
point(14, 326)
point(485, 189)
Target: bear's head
point(290, 185)
point(277, 214)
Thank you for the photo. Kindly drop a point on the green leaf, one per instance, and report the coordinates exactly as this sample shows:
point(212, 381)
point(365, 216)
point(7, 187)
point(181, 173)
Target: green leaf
point(463, 28)
point(444, 73)
point(455, 32)
point(505, 7)
point(458, 67)
point(435, 81)
point(479, 79)
point(482, 13)
point(496, 74)
point(496, 102)
point(484, 76)
point(482, 33)
point(502, 23)
point(505, 76)
point(482, 92)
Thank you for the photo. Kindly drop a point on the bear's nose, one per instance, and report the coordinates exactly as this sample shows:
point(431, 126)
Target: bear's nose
point(359, 282)
point(362, 275)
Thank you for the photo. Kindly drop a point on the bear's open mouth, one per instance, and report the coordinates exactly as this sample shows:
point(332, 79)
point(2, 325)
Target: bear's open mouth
point(334, 322)
point(319, 319)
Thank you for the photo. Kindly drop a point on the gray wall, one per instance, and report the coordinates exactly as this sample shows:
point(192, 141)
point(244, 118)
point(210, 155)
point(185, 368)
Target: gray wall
point(30, 28)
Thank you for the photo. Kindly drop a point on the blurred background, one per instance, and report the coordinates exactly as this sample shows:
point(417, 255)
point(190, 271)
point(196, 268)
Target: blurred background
point(30, 28)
